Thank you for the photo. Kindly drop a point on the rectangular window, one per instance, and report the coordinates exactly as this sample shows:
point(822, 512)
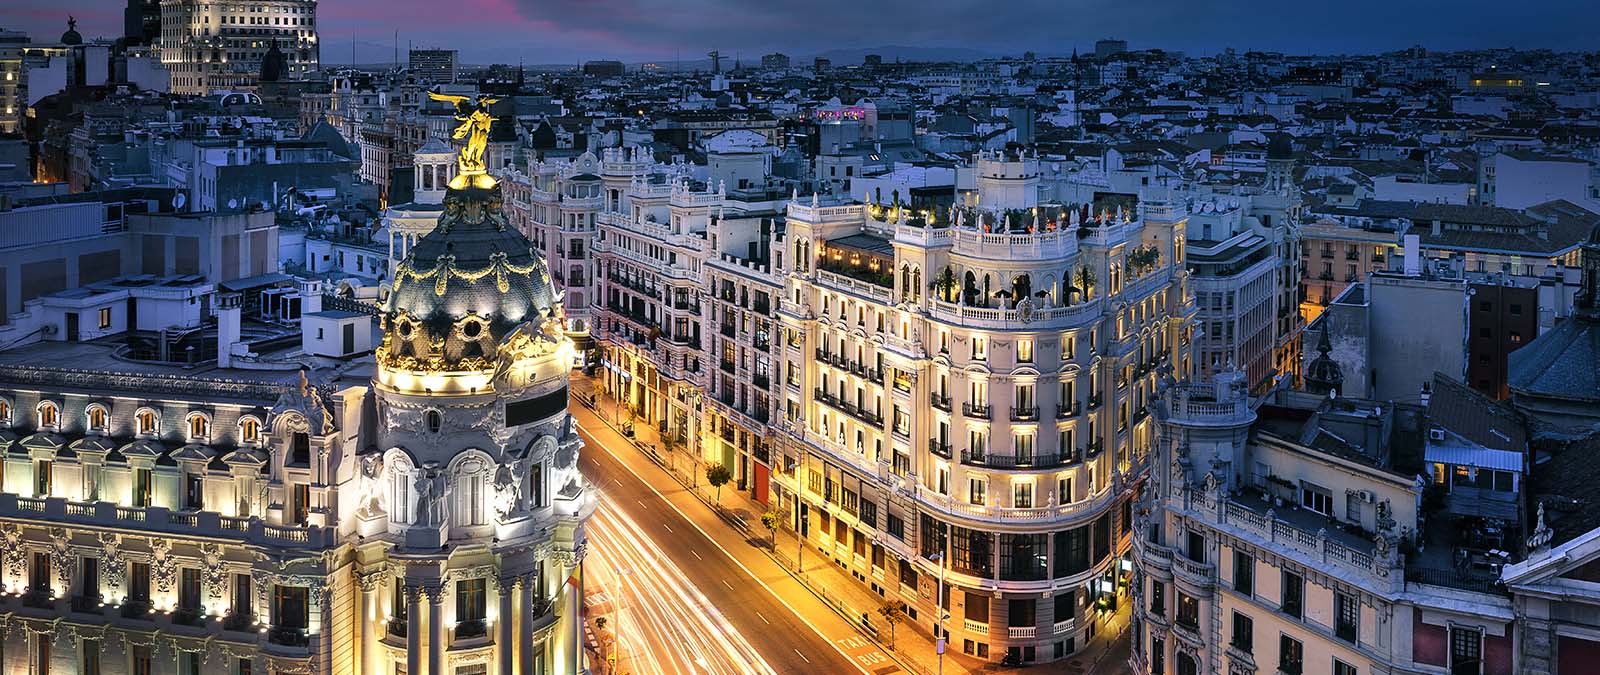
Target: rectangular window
point(896, 527)
point(1466, 651)
point(979, 349)
point(189, 590)
point(471, 607)
point(1158, 657)
point(90, 649)
point(1022, 495)
point(1188, 611)
point(1196, 546)
point(977, 490)
point(977, 607)
point(139, 582)
point(141, 487)
point(1316, 498)
point(1244, 638)
point(39, 573)
point(1293, 595)
point(1291, 655)
point(1244, 573)
point(1347, 614)
point(1158, 598)
point(289, 607)
point(1342, 668)
point(42, 474)
point(105, 320)
point(1025, 351)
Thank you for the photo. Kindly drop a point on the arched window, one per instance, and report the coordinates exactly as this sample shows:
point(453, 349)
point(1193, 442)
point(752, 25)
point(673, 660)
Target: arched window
point(49, 415)
point(435, 421)
point(146, 422)
point(249, 430)
point(400, 493)
point(470, 508)
point(97, 417)
point(199, 427)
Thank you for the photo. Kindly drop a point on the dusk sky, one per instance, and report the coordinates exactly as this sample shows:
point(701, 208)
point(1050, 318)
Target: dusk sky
point(566, 31)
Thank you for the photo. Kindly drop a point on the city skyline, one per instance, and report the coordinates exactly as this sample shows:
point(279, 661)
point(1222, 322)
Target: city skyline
point(535, 32)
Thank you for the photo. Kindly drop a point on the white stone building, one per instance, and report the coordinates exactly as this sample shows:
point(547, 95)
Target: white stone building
point(966, 400)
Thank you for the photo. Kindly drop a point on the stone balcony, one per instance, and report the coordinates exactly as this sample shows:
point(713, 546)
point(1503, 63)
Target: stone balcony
point(208, 524)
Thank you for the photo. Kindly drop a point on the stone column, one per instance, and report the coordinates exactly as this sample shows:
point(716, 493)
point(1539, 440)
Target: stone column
point(525, 650)
point(413, 629)
point(371, 628)
point(502, 643)
point(436, 633)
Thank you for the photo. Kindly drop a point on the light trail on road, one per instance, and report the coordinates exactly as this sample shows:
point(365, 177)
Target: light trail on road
point(666, 625)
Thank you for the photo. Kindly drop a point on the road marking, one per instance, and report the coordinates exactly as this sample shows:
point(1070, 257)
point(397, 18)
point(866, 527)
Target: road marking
point(725, 583)
point(770, 591)
point(641, 502)
point(669, 527)
point(763, 619)
point(696, 555)
point(616, 482)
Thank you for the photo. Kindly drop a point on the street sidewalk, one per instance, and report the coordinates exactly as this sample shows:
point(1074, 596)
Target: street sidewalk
point(914, 648)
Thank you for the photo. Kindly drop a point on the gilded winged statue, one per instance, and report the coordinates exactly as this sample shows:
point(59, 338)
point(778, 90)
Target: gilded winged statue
point(475, 120)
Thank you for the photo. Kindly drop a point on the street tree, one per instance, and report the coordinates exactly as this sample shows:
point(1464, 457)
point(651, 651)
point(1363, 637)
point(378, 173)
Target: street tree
point(893, 611)
point(770, 521)
point(718, 475)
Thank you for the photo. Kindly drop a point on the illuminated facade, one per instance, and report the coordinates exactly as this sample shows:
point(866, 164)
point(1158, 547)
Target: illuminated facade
point(967, 400)
point(426, 520)
point(210, 46)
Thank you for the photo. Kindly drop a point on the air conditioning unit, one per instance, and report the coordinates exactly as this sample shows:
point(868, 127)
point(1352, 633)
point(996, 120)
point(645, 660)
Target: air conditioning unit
point(1366, 496)
point(1436, 434)
point(49, 329)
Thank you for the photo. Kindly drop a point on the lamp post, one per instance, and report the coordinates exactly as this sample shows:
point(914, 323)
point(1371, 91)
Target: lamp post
point(938, 604)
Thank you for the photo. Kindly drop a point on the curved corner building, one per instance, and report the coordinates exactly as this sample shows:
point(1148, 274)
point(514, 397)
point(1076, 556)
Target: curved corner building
point(964, 397)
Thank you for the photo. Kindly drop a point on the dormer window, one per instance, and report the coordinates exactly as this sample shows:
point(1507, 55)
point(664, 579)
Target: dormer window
point(49, 415)
point(5, 412)
point(199, 427)
point(97, 418)
point(250, 430)
point(147, 422)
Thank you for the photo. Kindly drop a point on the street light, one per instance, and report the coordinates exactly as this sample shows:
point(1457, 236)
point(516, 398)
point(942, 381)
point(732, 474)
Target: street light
point(938, 605)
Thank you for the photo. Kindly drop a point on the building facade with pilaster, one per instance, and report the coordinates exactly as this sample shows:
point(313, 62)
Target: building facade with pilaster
point(962, 401)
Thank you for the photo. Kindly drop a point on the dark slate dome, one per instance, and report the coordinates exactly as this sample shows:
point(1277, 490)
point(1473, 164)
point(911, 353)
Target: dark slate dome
point(1324, 375)
point(466, 285)
point(71, 37)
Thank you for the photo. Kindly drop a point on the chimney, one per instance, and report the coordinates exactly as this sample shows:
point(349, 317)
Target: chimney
point(228, 310)
point(310, 296)
point(1413, 257)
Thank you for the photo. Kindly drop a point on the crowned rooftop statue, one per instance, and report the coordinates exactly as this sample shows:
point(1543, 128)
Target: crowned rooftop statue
point(475, 121)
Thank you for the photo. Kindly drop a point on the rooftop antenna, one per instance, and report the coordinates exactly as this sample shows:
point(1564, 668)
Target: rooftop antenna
point(716, 61)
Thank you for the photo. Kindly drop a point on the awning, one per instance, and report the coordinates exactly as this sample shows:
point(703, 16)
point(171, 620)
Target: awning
point(1483, 458)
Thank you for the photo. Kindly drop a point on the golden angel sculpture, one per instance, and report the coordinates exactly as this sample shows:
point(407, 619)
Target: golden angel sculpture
point(475, 120)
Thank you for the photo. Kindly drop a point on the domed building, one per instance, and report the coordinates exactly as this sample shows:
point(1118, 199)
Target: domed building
point(476, 493)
